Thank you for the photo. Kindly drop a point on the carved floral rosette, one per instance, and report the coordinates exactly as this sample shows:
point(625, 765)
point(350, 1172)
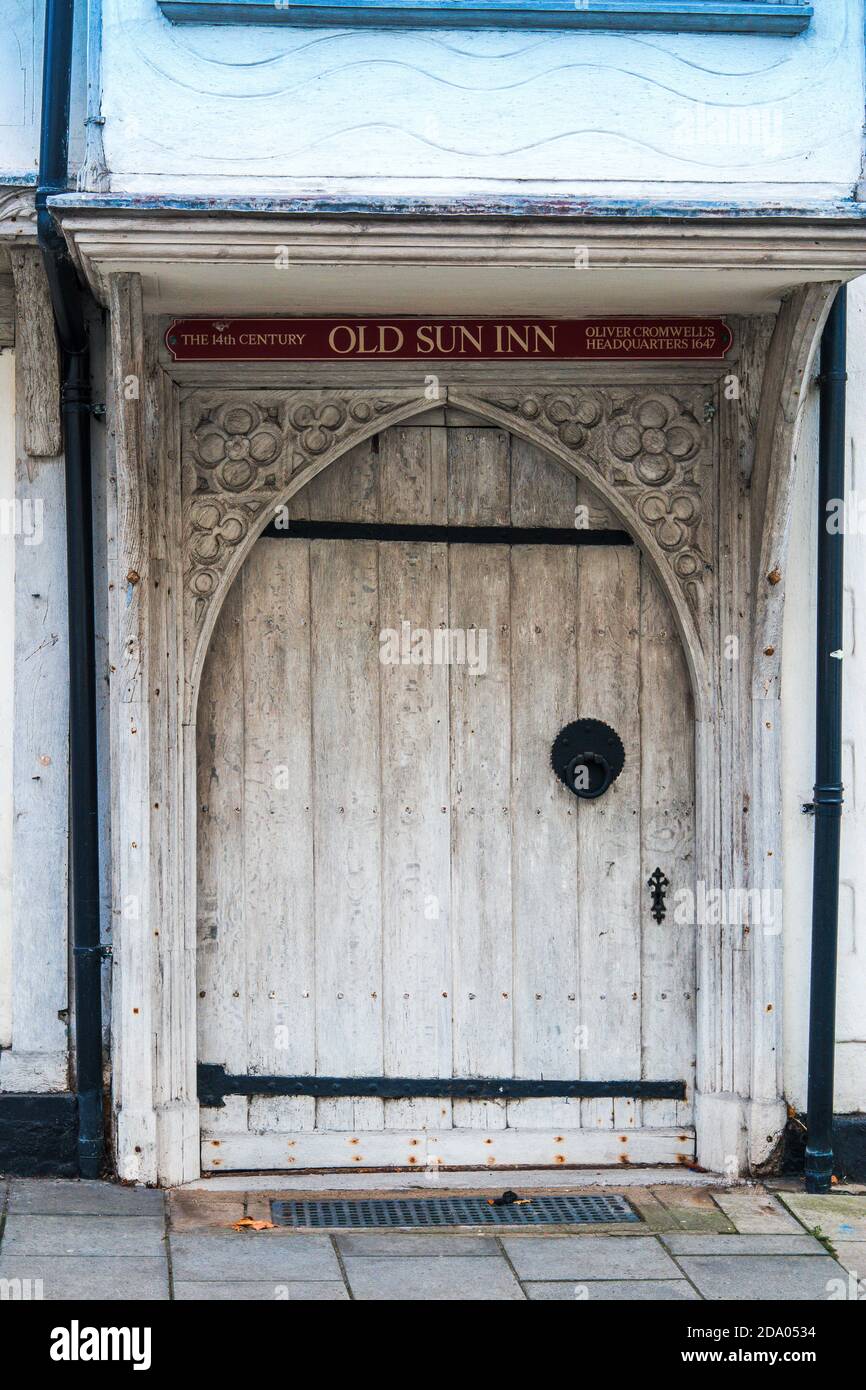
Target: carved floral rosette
point(649, 450)
point(242, 451)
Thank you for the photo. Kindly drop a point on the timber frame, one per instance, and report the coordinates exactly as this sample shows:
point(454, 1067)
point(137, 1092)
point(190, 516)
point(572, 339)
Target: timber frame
point(204, 454)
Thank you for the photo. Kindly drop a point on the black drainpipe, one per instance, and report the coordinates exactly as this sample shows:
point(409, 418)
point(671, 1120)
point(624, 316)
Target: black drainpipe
point(68, 304)
point(827, 805)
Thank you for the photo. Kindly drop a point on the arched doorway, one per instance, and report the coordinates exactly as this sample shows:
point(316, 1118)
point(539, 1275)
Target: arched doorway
point(392, 883)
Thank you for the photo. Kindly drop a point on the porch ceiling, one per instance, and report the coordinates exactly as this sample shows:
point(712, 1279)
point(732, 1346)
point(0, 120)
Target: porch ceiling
point(250, 262)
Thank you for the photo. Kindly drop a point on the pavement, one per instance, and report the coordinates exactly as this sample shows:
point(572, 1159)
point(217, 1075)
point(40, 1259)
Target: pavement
point(102, 1240)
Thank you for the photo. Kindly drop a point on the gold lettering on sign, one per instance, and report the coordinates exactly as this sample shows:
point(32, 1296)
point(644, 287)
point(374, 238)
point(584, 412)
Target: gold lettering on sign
point(448, 339)
point(366, 340)
point(511, 339)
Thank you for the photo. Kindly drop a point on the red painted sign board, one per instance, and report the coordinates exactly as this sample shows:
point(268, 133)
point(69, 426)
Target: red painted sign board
point(430, 340)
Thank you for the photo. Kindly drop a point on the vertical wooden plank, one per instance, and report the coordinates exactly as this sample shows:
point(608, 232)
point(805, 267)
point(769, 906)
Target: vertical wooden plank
point(416, 848)
point(7, 689)
point(544, 817)
point(132, 595)
point(347, 821)
point(278, 816)
point(479, 595)
point(667, 842)
point(416, 843)
point(221, 917)
point(479, 493)
point(612, 908)
point(347, 491)
point(406, 475)
point(543, 493)
point(479, 477)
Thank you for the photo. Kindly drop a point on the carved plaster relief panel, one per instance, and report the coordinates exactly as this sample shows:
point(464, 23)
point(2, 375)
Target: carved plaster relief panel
point(246, 452)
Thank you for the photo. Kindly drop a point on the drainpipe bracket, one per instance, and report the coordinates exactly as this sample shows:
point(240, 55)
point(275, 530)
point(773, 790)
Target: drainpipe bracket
point(105, 952)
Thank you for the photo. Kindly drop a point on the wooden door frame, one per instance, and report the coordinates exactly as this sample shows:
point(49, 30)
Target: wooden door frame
point(200, 464)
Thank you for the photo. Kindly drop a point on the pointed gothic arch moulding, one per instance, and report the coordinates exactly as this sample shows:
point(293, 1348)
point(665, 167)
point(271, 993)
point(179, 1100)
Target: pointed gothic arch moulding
point(649, 452)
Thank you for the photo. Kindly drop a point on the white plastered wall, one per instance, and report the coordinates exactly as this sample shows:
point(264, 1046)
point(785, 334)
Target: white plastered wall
point(244, 109)
point(798, 701)
point(7, 653)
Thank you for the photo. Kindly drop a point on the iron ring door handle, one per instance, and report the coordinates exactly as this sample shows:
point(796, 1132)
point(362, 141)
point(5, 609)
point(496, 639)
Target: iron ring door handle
point(589, 760)
point(591, 747)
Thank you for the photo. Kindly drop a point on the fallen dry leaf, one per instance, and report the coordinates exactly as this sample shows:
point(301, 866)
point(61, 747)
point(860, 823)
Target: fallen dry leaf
point(247, 1223)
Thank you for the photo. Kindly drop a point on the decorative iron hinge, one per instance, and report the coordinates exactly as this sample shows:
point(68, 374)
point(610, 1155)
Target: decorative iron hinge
point(657, 884)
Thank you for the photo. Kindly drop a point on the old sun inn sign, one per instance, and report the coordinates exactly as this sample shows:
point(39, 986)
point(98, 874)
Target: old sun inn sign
point(322, 340)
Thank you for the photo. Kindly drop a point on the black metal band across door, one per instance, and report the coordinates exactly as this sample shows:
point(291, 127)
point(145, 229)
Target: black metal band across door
point(214, 1084)
point(302, 530)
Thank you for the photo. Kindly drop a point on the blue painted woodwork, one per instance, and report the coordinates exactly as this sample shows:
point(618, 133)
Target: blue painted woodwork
point(672, 16)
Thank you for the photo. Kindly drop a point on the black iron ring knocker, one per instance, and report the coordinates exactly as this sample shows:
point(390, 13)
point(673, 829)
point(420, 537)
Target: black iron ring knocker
point(587, 756)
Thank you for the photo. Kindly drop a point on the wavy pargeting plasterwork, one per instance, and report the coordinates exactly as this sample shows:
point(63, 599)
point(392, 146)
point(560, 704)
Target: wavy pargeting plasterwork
point(245, 452)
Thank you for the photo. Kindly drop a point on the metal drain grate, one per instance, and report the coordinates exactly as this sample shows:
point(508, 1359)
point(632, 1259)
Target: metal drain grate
point(428, 1212)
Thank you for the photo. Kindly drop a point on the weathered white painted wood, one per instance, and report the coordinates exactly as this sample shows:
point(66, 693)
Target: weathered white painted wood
point(415, 792)
point(7, 691)
point(134, 1023)
point(546, 897)
point(544, 815)
point(533, 1025)
point(224, 917)
point(278, 810)
point(479, 493)
point(453, 1148)
point(7, 313)
point(667, 842)
point(39, 985)
point(345, 674)
point(479, 477)
point(720, 1115)
point(36, 355)
point(542, 492)
point(612, 906)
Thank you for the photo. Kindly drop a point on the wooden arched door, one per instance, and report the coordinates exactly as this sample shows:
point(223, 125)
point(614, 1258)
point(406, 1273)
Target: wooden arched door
point(393, 886)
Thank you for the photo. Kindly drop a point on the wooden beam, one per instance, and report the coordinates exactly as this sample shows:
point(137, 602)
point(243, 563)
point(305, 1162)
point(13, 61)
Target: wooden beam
point(7, 312)
point(37, 354)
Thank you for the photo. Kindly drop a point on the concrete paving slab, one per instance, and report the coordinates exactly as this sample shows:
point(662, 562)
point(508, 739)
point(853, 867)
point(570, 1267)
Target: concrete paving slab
point(684, 1243)
point(852, 1254)
point(197, 1211)
point(87, 1278)
point(839, 1215)
point(117, 1236)
point(66, 1197)
point(692, 1209)
point(757, 1213)
point(215, 1256)
point(549, 1258)
point(460, 1279)
point(619, 1290)
point(747, 1278)
point(249, 1291)
point(423, 1246)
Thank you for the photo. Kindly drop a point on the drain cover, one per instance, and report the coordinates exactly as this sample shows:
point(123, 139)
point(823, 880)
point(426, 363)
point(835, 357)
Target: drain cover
point(426, 1212)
